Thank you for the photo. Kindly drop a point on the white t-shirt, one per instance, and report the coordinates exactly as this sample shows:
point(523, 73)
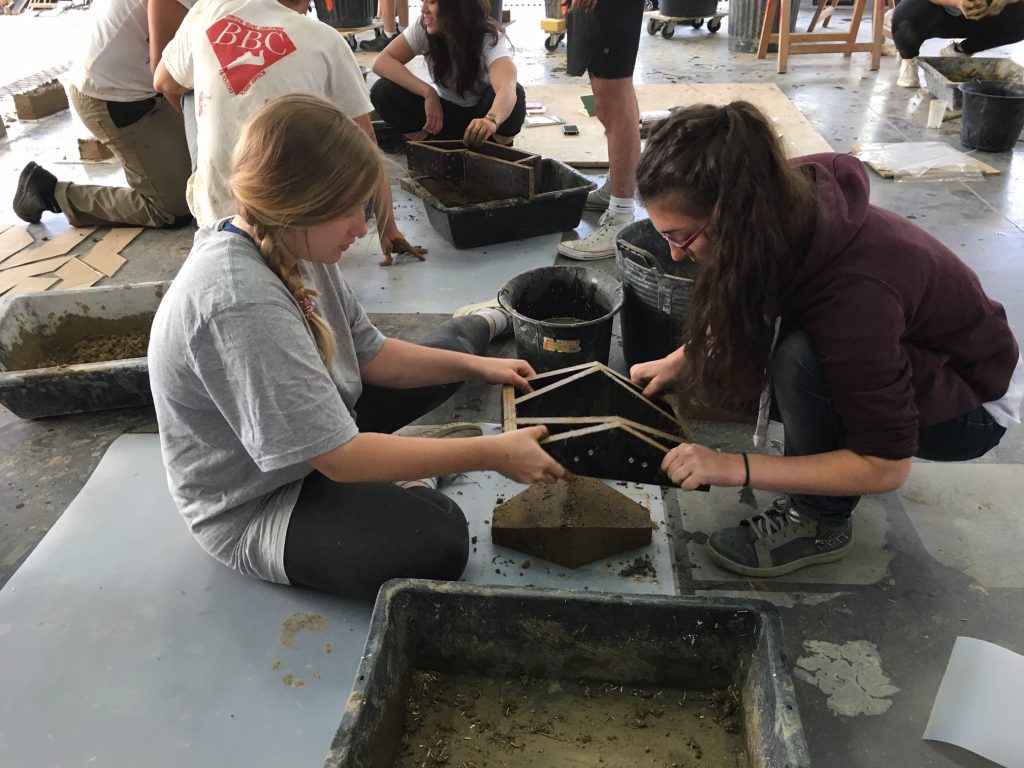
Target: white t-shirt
point(114, 61)
point(416, 35)
point(239, 54)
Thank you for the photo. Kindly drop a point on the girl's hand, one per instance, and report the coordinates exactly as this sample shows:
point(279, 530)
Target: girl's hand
point(501, 370)
point(658, 375)
point(520, 457)
point(690, 466)
point(478, 131)
point(435, 115)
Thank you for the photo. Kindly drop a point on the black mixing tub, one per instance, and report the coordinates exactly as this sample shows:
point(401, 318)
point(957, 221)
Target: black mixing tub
point(666, 643)
point(557, 206)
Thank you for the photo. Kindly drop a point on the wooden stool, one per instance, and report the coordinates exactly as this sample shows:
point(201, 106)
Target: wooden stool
point(794, 43)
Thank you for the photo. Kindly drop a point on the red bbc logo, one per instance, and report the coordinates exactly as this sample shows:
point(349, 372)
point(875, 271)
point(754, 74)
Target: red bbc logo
point(245, 51)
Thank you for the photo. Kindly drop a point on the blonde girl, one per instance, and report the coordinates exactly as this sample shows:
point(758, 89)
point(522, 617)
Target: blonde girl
point(276, 396)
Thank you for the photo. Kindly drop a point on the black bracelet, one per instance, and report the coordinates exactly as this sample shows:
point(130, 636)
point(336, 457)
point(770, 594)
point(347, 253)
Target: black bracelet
point(746, 470)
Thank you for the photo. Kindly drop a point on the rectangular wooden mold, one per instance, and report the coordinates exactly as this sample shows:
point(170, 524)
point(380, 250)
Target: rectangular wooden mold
point(503, 169)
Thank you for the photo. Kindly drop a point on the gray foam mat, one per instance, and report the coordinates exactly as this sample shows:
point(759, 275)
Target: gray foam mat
point(123, 644)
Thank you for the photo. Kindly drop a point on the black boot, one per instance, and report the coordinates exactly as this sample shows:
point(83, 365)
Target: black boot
point(36, 193)
point(378, 43)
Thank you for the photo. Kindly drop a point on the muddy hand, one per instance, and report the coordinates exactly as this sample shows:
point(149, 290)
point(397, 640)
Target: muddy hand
point(401, 245)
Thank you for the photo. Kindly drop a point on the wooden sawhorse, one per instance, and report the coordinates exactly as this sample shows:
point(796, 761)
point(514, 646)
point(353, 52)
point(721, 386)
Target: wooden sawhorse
point(794, 43)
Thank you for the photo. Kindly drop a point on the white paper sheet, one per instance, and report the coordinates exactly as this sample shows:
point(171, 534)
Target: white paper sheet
point(980, 702)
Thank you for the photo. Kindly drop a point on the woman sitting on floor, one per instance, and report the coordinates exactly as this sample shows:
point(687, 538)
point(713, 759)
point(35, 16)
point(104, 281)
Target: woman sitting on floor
point(876, 341)
point(474, 95)
point(275, 394)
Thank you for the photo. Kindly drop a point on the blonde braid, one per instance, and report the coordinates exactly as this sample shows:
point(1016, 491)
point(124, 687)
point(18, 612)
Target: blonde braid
point(289, 274)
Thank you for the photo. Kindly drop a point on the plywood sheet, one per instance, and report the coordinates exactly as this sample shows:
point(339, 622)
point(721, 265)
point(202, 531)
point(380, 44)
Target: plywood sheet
point(590, 150)
point(75, 274)
point(56, 246)
point(12, 240)
point(11, 277)
point(33, 284)
point(104, 256)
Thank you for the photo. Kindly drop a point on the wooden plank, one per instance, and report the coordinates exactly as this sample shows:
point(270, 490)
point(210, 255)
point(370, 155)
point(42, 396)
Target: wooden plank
point(971, 163)
point(33, 285)
point(105, 255)
point(56, 246)
point(590, 148)
point(514, 179)
point(75, 274)
point(12, 240)
point(11, 277)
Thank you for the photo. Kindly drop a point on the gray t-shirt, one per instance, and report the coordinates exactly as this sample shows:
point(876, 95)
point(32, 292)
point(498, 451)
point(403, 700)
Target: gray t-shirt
point(416, 35)
point(242, 397)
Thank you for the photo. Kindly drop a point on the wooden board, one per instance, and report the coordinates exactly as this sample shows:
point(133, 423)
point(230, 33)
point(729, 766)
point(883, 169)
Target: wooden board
point(590, 149)
point(971, 162)
point(11, 277)
point(33, 285)
point(105, 255)
point(12, 240)
point(75, 274)
point(56, 246)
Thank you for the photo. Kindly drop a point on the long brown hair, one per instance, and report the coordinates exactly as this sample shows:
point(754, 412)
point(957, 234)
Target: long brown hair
point(300, 162)
point(724, 166)
point(459, 47)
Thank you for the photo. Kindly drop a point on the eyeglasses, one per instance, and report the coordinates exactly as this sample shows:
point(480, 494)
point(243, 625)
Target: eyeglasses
point(684, 245)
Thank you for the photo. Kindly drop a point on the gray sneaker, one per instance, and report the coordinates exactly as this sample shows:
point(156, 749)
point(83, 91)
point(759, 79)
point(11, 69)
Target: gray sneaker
point(599, 199)
point(778, 541)
point(452, 429)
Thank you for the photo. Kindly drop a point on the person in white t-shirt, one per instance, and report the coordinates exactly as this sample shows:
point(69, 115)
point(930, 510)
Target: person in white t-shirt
point(236, 55)
point(474, 95)
point(111, 90)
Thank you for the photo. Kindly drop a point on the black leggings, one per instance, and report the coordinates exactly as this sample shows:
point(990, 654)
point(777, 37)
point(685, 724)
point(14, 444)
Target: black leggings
point(812, 425)
point(349, 538)
point(404, 111)
point(915, 21)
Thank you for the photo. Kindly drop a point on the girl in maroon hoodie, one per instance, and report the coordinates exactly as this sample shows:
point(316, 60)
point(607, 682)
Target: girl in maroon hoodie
point(866, 337)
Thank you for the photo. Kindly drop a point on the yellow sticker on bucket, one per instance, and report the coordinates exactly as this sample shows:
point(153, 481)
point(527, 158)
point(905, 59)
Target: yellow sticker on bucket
point(561, 345)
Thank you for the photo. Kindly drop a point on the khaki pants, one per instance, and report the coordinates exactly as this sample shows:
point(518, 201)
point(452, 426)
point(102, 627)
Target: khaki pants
point(156, 164)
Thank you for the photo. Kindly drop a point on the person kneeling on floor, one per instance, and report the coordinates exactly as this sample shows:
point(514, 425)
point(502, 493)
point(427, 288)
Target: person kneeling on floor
point(474, 95)
point(983, 24)
point(876, 343)
point(111, 91)
point(275, 395)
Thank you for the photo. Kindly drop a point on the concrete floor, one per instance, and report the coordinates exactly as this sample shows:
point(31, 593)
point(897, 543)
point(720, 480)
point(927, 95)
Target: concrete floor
point(934, 560)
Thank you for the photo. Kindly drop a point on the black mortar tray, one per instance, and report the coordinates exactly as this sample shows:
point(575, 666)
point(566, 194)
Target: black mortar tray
point(688, 643)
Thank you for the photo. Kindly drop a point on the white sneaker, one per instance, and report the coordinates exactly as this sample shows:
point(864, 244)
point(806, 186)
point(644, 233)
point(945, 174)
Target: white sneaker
point(909, 76)
point(887, 22)
point(599, 244)
point(950, 52)
point(599, 199)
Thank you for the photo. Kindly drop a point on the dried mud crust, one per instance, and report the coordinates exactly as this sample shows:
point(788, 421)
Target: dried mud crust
point(475, 722)
point(101, 349)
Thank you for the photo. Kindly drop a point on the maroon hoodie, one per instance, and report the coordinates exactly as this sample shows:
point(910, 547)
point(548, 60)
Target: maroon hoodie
point(905, 334)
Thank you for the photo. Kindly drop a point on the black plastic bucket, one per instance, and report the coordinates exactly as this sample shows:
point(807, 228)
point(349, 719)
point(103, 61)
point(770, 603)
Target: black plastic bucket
point(656, 293)
point(345, 14)
point(562, 316)
point(993, 115)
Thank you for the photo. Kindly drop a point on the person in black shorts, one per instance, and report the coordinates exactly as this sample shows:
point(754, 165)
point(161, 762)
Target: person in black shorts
point(604, 36)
